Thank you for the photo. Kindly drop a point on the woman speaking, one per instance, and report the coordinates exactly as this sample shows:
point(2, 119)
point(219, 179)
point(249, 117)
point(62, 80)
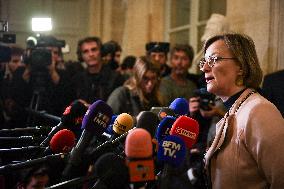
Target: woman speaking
point(248, 148)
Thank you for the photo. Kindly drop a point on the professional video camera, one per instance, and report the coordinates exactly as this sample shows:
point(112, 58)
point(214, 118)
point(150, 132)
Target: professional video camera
point(39, 58)
point(206, 98)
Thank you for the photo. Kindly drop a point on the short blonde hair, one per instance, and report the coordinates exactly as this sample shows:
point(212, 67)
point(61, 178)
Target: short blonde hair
point(243, 49)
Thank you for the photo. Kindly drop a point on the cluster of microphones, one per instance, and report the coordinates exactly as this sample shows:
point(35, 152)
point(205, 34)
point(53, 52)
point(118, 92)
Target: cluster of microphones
point(96, 149)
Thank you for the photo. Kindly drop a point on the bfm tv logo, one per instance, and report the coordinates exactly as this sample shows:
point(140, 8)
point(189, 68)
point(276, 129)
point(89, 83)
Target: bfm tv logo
point(170, 148)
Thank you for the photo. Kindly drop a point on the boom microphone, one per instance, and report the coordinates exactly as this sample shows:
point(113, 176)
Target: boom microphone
point(95, 122)
point(186, 128)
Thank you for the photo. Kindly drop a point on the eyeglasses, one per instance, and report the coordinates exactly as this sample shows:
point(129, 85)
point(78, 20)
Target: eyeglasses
point(146, 79)
point(211, 60)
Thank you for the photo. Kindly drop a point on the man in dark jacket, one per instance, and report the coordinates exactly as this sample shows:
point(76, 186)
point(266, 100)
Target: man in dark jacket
point(98, 80)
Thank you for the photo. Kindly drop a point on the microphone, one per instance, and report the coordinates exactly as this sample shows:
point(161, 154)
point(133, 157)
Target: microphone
point(149, 121)
point(138, 150)
point(172, 151)
point(26, 149)
point(19, 141)
point(122, 124)
point(186, 128)
point(109, 129)
point(62, 142)
point(29, 163)
point(71, 118)
point(164, 127)
point(111, 172)
point(95, 121)
point(165, 111)
point(23, 131)
point(180, 106)
point(43, 114)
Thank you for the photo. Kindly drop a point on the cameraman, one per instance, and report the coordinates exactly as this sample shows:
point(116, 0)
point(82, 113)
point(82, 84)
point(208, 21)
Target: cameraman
point(40, 85)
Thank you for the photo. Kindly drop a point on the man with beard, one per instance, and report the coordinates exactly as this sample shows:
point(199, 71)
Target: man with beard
point(98, 80)
point(179, 83)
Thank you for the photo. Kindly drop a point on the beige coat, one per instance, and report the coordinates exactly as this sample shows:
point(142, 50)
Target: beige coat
point(248, 149)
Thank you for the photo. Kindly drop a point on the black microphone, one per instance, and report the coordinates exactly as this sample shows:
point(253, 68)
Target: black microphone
point(111, 172)
point(149, 121)
point(43, 114)
point(24, 131)
point(95, 122)
point(29, 163)
point(21, 150)
point(70, 119)
point(19, 141)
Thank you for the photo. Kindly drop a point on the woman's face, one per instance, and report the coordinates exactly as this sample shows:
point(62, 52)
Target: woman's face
point(149, 82)
point(221, 78)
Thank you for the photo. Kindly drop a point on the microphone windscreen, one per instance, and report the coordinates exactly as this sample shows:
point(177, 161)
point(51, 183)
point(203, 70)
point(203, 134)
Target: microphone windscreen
point(180, 106)
point(164, 127)
point(123, 123)
point(73, 114)
point(186, 128)
point(148, 121)
point(164, 112)
point(172, 150)
point(62, 142)
point(112, 171)
point(138, 144)
point(97, 117)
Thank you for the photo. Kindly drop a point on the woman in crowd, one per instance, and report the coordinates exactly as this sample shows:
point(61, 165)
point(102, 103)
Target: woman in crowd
point(247, 151)
point(140, 92)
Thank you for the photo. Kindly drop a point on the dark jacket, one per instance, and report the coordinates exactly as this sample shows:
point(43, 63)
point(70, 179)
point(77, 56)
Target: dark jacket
point(91, 87)
point(273, 89)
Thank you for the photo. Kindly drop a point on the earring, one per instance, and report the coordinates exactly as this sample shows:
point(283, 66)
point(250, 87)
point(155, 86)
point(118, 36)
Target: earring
point(240, 81)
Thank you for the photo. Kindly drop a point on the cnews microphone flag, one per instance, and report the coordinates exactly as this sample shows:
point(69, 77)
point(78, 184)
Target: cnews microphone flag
point(186, 128)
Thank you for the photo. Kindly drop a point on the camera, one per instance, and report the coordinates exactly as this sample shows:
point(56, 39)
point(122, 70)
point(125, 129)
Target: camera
point(39, 58)
point(206, 98)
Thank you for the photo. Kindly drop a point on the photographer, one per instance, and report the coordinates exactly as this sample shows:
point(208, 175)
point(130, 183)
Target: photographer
point(9, 68)
point(40, 85)
point(207, 110)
